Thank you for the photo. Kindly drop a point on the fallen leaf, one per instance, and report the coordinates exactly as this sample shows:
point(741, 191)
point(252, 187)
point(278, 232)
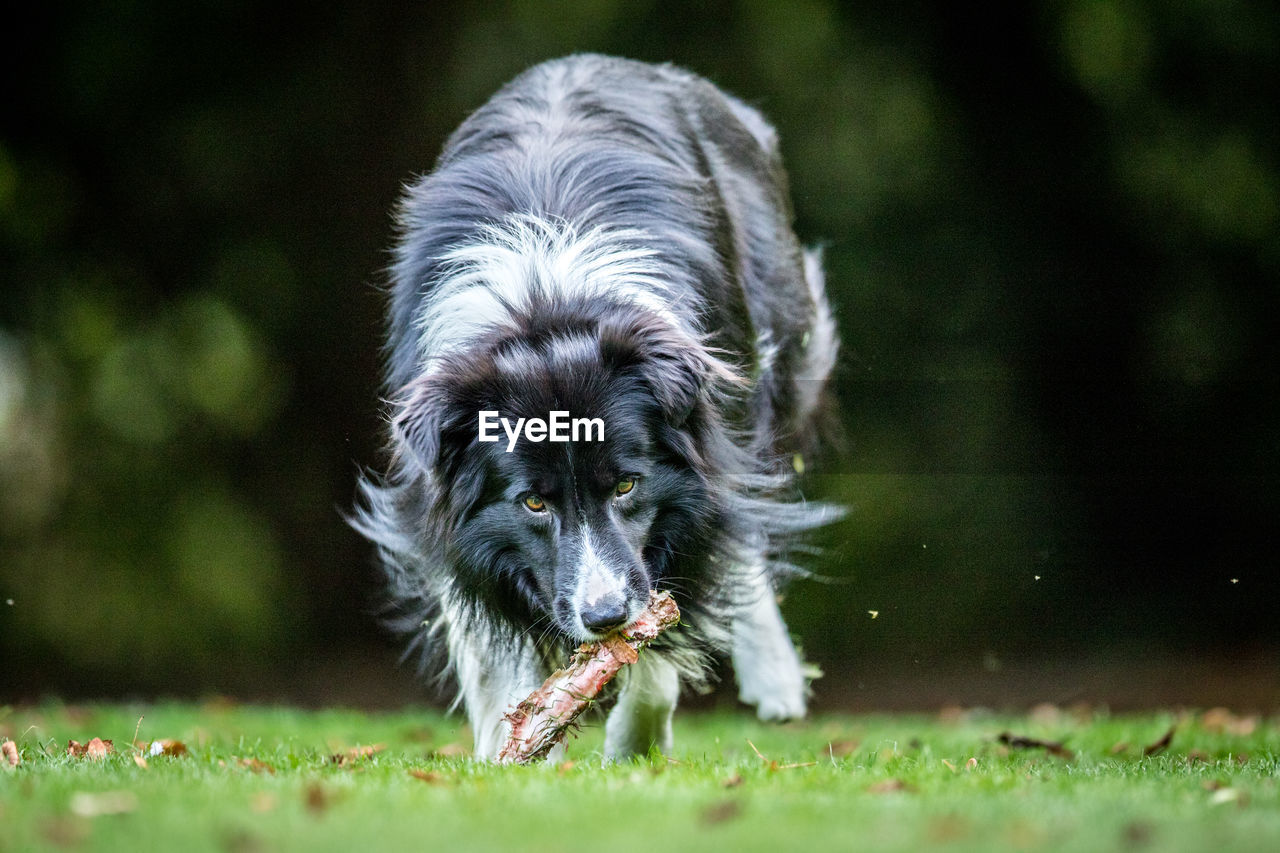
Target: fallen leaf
point(356, 753)
point(242, 841)
point(841, 748)
point(1222, 720)
point(167, 746)
point(721, 812)
point(104, 803)
point(94, 750)
point(1052, 747)
point(971, 764)
point(318, 799)
point(1137, 833)
point(428, 776)
point(140, 761)
point(10, 751)
point(1160, 745)
point(564, 767)
point(256, 765)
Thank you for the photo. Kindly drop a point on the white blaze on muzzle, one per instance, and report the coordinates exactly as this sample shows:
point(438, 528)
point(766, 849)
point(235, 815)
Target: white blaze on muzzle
point(596, 583)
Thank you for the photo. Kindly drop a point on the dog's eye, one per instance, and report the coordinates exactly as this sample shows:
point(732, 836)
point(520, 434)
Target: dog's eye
point(625, 486)
point(535, 504)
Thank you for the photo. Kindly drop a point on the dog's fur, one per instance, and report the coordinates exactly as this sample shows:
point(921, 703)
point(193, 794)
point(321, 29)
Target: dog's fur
point(613, 239)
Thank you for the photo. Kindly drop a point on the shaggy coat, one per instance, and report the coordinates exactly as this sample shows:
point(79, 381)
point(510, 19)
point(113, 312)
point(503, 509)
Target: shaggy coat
point(611, 239)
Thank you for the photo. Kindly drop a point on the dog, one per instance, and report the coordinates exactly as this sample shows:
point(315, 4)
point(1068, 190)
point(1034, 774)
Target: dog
point(607, 242)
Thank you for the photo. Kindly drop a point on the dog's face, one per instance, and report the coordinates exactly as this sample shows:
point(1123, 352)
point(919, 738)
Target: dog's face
point(569, 535)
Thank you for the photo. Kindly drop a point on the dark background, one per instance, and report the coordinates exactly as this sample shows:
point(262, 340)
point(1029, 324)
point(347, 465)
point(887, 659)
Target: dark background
point(1051, 236)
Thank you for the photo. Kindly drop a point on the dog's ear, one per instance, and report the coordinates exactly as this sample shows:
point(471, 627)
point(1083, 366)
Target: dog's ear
point(422, 421)
point(677, 367)
point(676, 376)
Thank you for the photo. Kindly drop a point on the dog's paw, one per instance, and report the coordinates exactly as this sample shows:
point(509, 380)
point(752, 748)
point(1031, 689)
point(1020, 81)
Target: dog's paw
point(778, 695)
point(778, 708)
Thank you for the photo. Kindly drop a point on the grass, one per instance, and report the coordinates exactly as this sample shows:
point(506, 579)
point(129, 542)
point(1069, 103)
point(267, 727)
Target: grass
point(265, 779)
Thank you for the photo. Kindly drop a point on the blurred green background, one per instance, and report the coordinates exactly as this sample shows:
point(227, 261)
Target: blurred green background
point(1051, 236)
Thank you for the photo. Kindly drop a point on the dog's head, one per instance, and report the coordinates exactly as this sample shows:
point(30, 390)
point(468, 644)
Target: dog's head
point(572, 532)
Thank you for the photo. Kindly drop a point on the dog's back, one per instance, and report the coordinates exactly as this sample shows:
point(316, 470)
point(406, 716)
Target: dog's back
point(603, 142)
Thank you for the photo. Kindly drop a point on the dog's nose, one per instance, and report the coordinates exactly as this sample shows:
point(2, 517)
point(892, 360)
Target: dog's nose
point(606, 615)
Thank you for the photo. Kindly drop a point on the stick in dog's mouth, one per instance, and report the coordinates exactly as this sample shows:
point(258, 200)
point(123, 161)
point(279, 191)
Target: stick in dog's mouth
point(543, 719)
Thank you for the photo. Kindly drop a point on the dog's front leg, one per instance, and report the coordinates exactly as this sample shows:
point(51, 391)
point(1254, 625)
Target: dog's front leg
point(642, 718)
point(764, 659)
point(492, 678)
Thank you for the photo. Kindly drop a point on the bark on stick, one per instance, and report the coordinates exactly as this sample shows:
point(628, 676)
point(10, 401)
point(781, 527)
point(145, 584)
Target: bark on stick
point(542, 720)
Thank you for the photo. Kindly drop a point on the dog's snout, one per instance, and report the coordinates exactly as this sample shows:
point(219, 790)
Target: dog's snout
point(605, 615)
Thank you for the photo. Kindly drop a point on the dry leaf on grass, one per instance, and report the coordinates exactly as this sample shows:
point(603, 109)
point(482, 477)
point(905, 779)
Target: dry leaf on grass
point(721, 812)
point(94, 750)
point(256, 765)
point(10, 751)
point(166, 746)
point(1222, 720)
point(1052, 747)
point(841, 748)
point(1162, 744)
point(318, 799)
point(428, 776)
point(356, 753)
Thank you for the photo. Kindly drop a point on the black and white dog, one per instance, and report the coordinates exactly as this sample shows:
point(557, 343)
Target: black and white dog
point(604, 244)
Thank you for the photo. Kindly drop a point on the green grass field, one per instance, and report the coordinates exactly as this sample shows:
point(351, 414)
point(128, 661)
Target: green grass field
point(282, 779)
